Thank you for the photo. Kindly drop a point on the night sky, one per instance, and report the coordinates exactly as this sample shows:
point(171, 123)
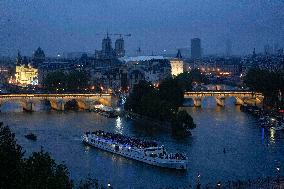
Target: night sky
point(71, 25)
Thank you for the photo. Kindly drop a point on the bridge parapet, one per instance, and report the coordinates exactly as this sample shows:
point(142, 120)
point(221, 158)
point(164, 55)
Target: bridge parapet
point(58, 101)
point(220, 96)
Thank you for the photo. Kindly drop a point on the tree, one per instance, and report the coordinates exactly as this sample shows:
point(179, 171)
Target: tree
point(161, 104)
point(73, 81)
point(185, 81)
point(11, 162)
point(89, 183)
point(41, 171)
point(134, 100)
point(182, 124)
point(171, 92)
point(185, 120)
point(55, 80)
point(76, 80)
point(197, 77)
point(267, 82)
point(38, 171)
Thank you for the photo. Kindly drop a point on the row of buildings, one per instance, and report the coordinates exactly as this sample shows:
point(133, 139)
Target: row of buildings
point(109, 68)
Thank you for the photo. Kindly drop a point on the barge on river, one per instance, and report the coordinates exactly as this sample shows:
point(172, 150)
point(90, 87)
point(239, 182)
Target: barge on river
point(145, 151)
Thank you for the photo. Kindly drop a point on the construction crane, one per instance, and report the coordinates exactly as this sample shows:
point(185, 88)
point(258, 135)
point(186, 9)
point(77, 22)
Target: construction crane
point(121, 34)
point(115, 34)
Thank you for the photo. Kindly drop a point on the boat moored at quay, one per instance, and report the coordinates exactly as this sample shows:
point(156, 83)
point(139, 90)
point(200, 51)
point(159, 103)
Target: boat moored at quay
point(145, 151)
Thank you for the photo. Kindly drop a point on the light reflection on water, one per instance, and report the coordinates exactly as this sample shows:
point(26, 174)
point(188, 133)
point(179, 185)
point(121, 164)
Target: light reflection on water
point(250, 151)
point(118, 125)
point(272, 135)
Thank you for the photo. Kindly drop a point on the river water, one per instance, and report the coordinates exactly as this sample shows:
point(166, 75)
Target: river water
point(251, 152)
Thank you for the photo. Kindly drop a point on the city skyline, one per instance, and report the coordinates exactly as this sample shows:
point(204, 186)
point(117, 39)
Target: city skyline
point(142, 94)
point(58, 26)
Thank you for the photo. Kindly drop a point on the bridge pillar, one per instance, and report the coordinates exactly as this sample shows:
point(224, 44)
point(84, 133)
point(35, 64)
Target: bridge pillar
point(239, 101)
point(197, 102)
point(254, 101)
point(89, 104)
point(84, 104)
point(220, 101)
point(57, 104)
point(53, 104)
point(61, 105)
point(29, 106)
point(259, 100)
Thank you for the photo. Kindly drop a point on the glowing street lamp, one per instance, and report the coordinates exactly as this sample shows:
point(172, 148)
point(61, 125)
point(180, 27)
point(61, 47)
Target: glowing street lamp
point(108, 185)
point(219, 184)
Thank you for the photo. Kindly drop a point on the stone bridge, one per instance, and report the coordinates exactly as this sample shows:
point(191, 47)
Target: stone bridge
point(58, 101)
point(241, 97)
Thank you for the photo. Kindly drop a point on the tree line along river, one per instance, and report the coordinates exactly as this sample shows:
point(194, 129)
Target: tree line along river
point(250, 151)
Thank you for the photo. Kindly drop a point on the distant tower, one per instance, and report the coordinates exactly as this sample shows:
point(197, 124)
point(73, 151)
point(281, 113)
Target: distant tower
point(267, 49)
point(275, 48)
point(139, 51)
point(107, 51)
point(119, 48)
point(19, 59)
point(38, 57)
point(196, 48)
point(228, 48)
point(177, 64)
point(253, 53)
point(254, 62)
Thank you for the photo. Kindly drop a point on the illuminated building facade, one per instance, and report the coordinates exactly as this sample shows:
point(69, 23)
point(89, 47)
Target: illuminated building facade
point(177, 65)
point(26, 75)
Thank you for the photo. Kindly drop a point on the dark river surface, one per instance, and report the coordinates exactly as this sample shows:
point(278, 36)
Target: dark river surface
point(251, 152)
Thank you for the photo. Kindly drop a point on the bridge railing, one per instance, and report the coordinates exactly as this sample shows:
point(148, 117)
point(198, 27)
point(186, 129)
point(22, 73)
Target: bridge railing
point(223, 92)
point(52, 95)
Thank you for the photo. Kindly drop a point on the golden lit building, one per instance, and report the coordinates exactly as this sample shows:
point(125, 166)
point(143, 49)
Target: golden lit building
point(177, 65)
point(26, 75)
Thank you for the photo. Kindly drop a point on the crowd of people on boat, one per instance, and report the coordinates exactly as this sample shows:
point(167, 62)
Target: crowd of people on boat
point(125, 140)
point(177, 156)
point(135, 142)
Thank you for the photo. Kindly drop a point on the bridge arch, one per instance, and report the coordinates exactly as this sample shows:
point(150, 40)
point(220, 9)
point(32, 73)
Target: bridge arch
point(234, 100)
point(58, 101)
point(71, 104)
point(7, 106)
point(240, 97)
point(188, 102)
point(213, 101)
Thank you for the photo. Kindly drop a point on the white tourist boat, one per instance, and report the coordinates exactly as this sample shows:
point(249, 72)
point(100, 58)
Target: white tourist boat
point(144, 151)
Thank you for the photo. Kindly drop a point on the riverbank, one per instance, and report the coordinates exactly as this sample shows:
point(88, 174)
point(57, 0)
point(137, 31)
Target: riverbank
point(260, 183)
point(266, 118)
point(148, 122)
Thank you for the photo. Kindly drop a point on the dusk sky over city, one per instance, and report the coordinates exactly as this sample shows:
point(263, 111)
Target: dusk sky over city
point(118, 94)
point(70, 25)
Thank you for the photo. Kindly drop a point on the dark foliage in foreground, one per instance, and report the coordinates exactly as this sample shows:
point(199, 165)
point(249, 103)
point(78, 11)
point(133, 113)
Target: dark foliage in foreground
point(11, 160)
point(39, 171)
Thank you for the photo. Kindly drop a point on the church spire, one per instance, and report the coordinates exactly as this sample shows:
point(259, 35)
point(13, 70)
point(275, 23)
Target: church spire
point(19, 59)
point(179, 54)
